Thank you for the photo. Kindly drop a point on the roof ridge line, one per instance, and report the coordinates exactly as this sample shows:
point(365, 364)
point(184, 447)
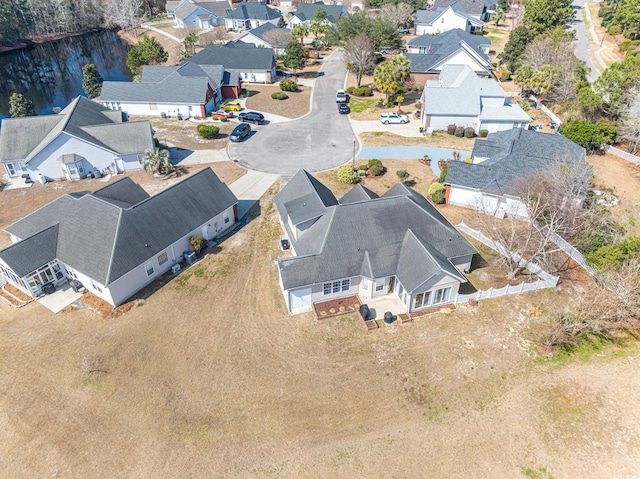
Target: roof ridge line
point(113, 249)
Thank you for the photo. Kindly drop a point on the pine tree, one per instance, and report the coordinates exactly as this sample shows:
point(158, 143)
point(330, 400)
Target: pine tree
point(19, 106)
point(91, 80)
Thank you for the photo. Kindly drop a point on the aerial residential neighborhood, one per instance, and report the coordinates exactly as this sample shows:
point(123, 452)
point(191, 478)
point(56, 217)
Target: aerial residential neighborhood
point(319, 239)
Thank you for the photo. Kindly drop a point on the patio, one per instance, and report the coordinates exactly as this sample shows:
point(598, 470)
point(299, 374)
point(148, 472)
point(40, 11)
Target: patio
point(63, 297)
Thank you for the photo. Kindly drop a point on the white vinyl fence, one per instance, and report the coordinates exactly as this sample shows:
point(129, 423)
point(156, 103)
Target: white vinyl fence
point(146, 26)
point(546, 280)
point(622, 154)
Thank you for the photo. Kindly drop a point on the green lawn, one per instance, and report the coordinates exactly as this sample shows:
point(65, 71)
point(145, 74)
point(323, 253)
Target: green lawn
point(358, 105)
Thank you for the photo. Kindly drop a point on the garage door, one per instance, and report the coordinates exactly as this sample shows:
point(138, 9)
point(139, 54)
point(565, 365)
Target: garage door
point(300, 298)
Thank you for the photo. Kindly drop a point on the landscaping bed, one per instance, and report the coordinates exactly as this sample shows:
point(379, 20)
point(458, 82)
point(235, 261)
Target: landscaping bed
point(336, 307)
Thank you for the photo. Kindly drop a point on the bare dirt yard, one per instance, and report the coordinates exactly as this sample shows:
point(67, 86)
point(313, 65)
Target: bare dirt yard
point(209, 377)
point(438, 139)
point(184, 133)
point(297, 105)
point(20, 202)
point(610, 52)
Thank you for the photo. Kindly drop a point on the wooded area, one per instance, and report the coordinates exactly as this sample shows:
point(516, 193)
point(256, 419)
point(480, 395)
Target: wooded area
point(28, 19)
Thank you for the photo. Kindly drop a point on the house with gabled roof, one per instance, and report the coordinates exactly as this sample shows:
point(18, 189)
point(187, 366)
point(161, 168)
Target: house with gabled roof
point(439, 20)
point(248, 15)
point(305, 11)
point(493, 180)
point(428, 54)
point(461, 98)
point(82, 138)
point(117, 239)
point(188, 89)
point(397, 244)
point(252, 64)
point(480, 9)
point(199, 14)
point(261, 38)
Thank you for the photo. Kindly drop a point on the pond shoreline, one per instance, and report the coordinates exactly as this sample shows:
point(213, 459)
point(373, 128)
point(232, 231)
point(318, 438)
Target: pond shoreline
point(47, 39)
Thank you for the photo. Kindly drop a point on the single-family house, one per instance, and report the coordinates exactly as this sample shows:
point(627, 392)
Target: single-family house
point(439, 20)
point(267, 36)
point(461, 98)
point(82, 138)
point(248, 15)
point(117, 239)
point(305, 11)
point(427, 54)
point(252, 64)
point(189, 89)
point(480, 9)
point(202, 15)
point(398, 244)
point(500, 165)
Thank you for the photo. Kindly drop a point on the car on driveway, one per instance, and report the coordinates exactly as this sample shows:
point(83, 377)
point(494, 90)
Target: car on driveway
point(231, 105)
point(222, 113)
point(392, 117)
point(240, 132)
point(251, 117)
point(343, 109)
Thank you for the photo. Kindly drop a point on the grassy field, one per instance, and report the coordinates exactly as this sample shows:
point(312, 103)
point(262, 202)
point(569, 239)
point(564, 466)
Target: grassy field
point(209, 377)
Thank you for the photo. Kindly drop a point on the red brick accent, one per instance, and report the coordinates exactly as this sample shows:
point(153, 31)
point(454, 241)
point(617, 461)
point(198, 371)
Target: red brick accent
point(433, 309)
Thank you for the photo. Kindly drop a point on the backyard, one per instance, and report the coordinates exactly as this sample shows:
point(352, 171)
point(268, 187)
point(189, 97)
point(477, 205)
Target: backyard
point(176, 387)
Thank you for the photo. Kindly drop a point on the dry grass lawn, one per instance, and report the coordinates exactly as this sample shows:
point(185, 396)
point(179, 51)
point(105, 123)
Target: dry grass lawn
point(209, 377)
point(297, 105)
point(184, 134)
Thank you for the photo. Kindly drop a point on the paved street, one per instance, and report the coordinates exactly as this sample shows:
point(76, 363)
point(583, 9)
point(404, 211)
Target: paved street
point(321, 140)
point(582, 41)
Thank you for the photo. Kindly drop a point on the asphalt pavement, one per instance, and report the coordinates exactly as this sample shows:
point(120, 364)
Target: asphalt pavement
point(582, 40)
point(320, 141)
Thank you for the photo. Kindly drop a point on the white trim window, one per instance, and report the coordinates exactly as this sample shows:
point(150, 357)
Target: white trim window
point(225, 216)
point(96, 286)
point(379, 284)
point(441, 295)
point(432, 298)
point(148, 267)
point(336, 287)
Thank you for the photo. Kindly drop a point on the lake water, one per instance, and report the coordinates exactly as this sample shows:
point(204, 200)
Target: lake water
point(50, 74)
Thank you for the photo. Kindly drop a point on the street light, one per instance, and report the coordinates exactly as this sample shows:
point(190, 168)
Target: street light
point(353, 157)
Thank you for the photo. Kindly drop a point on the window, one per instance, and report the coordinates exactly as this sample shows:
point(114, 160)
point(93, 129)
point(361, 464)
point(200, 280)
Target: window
point(72, 170)
point(153, 106)
point(379, 284)
point(441, 295)
point(149, 268)
point(422, 300)
point(71, 274)
point(190, 108)
point(336, 287)
point(80, 169)
point(96, 286)
point(162, 259)
point(226, 217)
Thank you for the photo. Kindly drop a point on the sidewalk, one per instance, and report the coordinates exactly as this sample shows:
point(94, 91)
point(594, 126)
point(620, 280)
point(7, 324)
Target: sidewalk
point(196, 157)
point(250, 188)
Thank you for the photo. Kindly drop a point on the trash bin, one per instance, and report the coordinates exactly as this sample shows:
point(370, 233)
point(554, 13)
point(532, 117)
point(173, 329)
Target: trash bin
point(76, 285)
point(388, 317)
point(48, 288)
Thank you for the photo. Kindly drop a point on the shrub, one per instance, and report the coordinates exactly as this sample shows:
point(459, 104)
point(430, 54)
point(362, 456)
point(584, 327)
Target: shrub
point(223, 119)
point(459, 131)
point(436, 188)
point(288, 84)
point(438, 198)
point(208, 131)
point(351, 90)
point(362, 91)
point(506, 74)
point(584, 133)
point(373, 162)
point(451, 129)
point(610, 256)
point(402, 175)
point(443, 175)
point(608, 130)
point(614, 30)
point(525, 105)
point(215, 118)
point(483, 133)
point(469, 132)
point(346, 175)
point(279, 95)
point(376, 170)
point(197, 242)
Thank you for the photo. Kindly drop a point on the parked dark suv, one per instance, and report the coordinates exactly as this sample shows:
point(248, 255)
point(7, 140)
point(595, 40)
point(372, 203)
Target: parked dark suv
point(240, 132)
point(251, 117)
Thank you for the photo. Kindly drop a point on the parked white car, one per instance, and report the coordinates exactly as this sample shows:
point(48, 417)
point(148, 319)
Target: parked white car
point(391, 117)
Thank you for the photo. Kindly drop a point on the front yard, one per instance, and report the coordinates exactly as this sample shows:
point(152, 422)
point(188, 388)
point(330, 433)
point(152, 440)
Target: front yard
point(438, 139)
point(297, 105)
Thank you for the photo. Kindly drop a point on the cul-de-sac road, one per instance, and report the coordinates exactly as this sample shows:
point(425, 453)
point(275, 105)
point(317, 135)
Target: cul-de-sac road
point(319, 141)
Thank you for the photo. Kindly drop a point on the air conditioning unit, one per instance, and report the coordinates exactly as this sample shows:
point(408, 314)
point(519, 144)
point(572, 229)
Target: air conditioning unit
point(190, 257)
point(175, 268)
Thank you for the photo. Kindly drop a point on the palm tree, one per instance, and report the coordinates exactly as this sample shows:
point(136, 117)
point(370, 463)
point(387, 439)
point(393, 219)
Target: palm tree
point(299, 32)
point(157, 161)
point(498, 15)
point(189, 42)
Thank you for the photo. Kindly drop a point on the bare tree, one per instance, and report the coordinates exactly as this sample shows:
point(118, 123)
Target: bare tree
point(629, 123)
point(218, 36)
point(277, 38)
point(125, 14)
point(358, 54)
point(401, 14)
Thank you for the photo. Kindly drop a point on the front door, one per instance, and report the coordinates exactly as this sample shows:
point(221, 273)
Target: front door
point(392, 284)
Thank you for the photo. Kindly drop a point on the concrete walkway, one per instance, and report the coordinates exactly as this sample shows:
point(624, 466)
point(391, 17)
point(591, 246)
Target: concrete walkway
point(250, 188)
point(197, 157)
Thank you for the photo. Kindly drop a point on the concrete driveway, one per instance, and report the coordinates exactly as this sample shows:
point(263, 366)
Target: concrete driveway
point(319, 141)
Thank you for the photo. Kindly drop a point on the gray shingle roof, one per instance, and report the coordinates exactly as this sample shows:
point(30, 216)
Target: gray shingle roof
point(305, 11)
point(26, 256)
point(186, 83)
point(448, 38)
point(104, 235)
point(427, 17)
point(304, 198)
point(22, 138)
point(253, 11)
point(251, 58)
point(472, 7)
point(262, 29)
point(513, 155)
point(370, 237)
point(357, 193)
point(443, 46)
